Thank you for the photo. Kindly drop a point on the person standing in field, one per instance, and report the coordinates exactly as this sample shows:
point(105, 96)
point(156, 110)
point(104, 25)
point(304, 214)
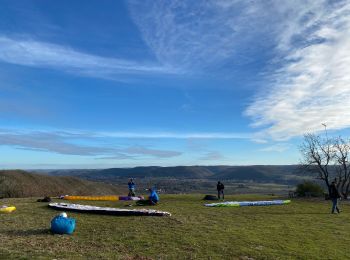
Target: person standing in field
point(220, 187)
point(131, 186)
point(334, 196)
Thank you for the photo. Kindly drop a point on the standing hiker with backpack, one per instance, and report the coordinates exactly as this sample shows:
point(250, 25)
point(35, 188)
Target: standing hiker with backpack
point(220, 187)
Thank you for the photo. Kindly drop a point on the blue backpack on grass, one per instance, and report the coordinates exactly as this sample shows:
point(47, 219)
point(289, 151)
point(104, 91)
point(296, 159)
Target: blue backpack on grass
point(62, 225)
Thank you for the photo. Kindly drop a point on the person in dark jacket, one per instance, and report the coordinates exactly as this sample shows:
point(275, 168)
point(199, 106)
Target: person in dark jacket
point(131, 186)
point(220, 187)
point(334, 196)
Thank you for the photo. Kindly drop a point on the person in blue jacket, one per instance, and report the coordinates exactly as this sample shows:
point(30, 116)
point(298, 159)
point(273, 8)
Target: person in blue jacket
point(131, 186)
point(152, 199)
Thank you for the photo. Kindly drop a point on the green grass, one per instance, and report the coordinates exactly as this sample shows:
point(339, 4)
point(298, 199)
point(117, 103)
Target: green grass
point(303, 229)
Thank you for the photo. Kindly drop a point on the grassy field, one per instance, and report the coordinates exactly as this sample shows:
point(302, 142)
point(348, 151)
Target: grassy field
point(305, 229)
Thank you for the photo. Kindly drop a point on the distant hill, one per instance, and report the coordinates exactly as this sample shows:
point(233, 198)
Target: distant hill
point(259, 173)
point(192, 172)
point(17, 183)
point(256, 173)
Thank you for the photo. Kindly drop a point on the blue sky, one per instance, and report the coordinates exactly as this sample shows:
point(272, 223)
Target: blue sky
point(95, 84)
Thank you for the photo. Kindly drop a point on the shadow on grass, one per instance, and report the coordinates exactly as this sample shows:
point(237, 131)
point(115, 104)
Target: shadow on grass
point(28, 232)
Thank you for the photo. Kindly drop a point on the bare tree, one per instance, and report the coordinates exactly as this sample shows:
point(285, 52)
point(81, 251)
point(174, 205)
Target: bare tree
point(328, 158)
point(317, 154)
point(341, 156)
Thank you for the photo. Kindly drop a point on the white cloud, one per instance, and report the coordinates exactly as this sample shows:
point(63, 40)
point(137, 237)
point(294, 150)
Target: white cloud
point(69, 143)
point(279, 147)
point(174, 135)
point(154, 152)
point(309, 42)
point(48, 142)
point(33, 53)
point(212, 156)
point(313, 85)
point(200, 35)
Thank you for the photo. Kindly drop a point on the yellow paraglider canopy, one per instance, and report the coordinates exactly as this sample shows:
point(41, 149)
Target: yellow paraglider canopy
point(7, 209)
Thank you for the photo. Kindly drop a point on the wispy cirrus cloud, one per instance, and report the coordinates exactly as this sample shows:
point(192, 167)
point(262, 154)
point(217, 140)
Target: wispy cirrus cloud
point(278, 147)
point(313, 84)
point(207, 34)
point(198, 35)
point(137, 149)
point(304, 44)
point(33, 53)
point(48, 142)
point(67, 143)
point(212, 156)
point(174, 135)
